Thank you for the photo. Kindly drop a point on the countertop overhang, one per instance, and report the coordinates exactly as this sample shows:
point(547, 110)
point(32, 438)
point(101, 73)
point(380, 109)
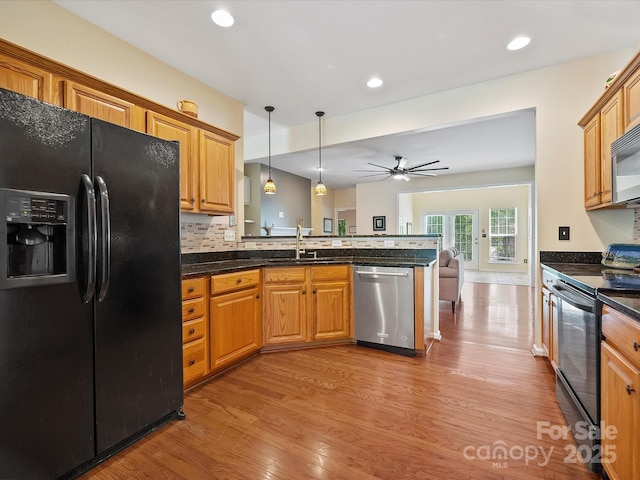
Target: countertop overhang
point(391, 257)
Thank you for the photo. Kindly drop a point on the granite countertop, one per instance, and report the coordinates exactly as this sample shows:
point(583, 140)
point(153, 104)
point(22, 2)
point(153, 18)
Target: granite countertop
point(235, 265)
point(617, 288)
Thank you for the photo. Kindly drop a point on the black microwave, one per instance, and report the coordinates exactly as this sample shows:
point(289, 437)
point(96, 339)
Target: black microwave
point(625, 168)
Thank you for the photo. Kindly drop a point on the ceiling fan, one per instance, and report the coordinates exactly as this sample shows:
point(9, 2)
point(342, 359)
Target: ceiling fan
point(400, 171)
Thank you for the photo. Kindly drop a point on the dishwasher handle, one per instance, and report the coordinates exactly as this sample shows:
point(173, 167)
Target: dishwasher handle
point(383, 274)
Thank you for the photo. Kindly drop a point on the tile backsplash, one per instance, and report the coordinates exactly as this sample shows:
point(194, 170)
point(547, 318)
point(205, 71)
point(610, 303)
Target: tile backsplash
point(199, 235)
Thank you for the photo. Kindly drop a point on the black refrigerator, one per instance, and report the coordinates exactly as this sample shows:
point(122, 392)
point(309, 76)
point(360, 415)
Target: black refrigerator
point(90, 297)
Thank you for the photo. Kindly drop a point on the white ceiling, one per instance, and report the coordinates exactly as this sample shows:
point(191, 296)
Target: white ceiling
point(306, 55)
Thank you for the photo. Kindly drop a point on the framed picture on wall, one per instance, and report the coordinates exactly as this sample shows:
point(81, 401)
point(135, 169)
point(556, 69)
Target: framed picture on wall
point(327, 226)
point(379, 223)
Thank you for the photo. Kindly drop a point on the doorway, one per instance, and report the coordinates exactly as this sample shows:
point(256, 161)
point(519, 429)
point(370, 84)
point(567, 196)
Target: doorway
point(458, 229)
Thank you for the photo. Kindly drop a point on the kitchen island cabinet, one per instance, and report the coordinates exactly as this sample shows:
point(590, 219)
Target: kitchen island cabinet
point(308, 304)
point(620, 403)
point(235, 318)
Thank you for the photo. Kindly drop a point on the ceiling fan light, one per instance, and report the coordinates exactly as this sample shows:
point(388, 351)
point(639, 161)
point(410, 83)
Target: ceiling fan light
point(269, 187)
point(398, 176)
point(321, 189)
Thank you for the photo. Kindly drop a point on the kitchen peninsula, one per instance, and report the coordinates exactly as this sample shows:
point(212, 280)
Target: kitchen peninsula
point(240, 303)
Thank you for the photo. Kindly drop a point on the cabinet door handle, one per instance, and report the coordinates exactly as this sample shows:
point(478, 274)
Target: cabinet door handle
point(204, 200)
point(192, 309)
point(257, 296)
point(313, 291)
point(192, 331)
point(191, 289)
point(629, 389)
point(636, 346)
point(193, 200)
point(192, 361)
point(239, 281)
point(304, 291)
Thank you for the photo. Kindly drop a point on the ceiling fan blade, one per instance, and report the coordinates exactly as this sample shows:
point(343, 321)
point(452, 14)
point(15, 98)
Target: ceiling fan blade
point(422, 165)
point(372, 175)
point(402, 163)
point(428, 169)
point(380, 166)
point(423, 174)
point(406, 177)
point(368, 171)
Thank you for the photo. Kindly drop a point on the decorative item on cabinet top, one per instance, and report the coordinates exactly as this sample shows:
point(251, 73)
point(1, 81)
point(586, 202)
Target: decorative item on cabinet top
point(188, 108)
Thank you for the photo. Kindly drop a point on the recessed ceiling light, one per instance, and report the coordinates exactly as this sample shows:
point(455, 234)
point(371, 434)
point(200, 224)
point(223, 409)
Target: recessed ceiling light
point(374, 82)
point(222, 18)
point(518, 43)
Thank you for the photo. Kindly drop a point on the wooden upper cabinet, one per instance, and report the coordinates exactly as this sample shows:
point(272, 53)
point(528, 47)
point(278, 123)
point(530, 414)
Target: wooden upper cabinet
point(632, 100)
point(611, 127)
point(25, 78)
point(101, 105)
point(592, 163)
point(217, 173)
point(169, 129)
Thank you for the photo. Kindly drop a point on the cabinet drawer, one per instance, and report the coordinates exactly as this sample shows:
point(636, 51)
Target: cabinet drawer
point(192, 330)
point(193, 360)
point(194, 287)
point(330, 273)
point(192, 308)
point(231, 281)
point(623, 332)
point(284, 274)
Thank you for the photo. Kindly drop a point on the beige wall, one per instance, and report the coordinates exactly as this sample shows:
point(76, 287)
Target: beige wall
point(560, 95)
point(49, 30)
point(479, 200)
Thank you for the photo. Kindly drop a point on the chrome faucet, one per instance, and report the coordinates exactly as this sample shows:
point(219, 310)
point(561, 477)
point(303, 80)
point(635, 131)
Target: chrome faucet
point(298, 240)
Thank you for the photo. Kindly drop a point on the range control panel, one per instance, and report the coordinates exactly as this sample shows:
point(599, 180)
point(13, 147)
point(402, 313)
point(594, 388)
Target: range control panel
point(26, 209)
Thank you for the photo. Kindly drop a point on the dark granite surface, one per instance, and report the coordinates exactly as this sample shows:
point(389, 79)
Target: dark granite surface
point(615, 287)
point(211, 263)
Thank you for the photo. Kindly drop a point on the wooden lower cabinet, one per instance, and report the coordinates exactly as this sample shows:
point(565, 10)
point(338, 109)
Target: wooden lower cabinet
point(194, 330)
point(620, 403)
point(235, 318)
point(549, 320)
point(307, 304)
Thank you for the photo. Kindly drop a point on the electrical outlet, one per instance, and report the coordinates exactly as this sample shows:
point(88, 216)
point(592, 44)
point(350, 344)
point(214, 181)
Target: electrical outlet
point(389, 243)
point(229, 235)
point(280, 214)
point(250, 245)
point(336, 243)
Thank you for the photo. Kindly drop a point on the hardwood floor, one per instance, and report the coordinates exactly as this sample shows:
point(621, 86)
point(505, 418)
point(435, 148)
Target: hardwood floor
point(355, 413)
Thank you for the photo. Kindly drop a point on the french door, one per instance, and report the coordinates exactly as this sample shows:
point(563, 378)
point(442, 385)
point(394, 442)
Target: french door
point(458, 229)
point(464, 236)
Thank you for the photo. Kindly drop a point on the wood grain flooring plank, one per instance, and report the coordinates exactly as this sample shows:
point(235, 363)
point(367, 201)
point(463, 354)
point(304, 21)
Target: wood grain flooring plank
point(349, 412)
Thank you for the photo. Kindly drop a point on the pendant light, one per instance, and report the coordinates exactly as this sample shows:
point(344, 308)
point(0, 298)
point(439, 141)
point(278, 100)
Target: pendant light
point(320, 188)
point(269, 187)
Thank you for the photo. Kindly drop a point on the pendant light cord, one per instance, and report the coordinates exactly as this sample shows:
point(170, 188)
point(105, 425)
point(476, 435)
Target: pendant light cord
point(320, 114)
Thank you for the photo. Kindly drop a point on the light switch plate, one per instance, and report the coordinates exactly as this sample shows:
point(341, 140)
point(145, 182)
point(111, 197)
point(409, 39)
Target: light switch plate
point(563, 233)
point(389, 243)
point(229, 235)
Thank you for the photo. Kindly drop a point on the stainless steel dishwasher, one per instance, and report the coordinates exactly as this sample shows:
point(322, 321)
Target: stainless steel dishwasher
point(383, 308)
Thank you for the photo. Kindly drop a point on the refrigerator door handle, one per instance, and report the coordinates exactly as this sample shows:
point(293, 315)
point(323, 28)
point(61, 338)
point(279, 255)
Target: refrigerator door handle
point(92, 238)
point(105, 219)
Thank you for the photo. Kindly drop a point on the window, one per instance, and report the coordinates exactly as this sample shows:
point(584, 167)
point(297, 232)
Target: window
point(502, 235)
point(435, 224)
